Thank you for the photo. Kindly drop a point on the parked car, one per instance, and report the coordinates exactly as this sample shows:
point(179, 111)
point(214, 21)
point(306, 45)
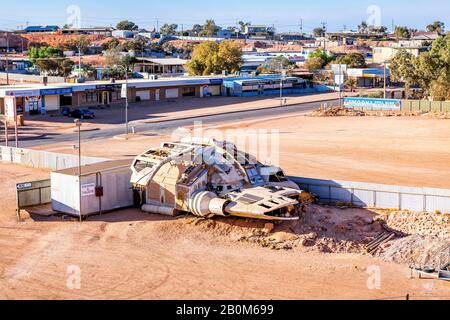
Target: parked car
point(82, 114)
point(65, 111)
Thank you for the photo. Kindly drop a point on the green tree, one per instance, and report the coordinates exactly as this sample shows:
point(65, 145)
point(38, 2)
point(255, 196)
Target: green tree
point(169, 29)
point(403, 69)
point(196, 29)
point(209, 29)
point(363, 27)
point(243, 26)
point(127, 25)
point(80, 44)
point(351, 84)
point(211, 57)
point(326, 58)
point(36, 53)
point(318, 32)
point(111, 44)
point(314, 63)
point(352, 60)
point(276, 64)
point(402, 32)
point(437, 26)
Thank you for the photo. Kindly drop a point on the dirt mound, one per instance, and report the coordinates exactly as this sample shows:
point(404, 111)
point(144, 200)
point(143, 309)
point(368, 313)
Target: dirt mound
point(348, 112)
point(337, 112)
point(416, 250)
point(417, 238)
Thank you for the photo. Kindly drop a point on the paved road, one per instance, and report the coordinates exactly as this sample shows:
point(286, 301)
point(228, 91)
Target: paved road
point(170, 125)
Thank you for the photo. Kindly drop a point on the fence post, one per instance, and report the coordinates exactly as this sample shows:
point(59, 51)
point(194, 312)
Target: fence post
point(374, 198)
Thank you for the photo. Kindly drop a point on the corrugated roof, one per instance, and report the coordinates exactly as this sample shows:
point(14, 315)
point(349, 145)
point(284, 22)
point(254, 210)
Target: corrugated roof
point(165, 61)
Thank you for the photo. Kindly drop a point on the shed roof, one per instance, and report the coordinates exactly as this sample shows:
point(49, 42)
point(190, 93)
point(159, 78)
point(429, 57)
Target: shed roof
point(165, 61)
point(97, 167)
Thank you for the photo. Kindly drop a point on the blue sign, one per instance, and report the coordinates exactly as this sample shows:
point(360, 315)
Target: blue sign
point(373, 104)
point(55, 91)
point(216, 81)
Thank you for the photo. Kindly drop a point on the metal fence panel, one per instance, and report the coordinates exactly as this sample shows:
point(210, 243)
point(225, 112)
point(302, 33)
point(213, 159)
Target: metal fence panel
point(378, 195)
point(43, 159)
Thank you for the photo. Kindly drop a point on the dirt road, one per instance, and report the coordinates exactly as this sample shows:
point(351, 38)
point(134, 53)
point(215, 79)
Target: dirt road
point(128, 256)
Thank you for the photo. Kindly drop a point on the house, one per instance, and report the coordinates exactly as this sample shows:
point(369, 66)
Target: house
point(101, 31)
point(162, 67)
point(123, 34)
point(12, 42)
point(383, 55)
point(258, 31)
point(226, 33)
point(41, 29)
point(292, 36)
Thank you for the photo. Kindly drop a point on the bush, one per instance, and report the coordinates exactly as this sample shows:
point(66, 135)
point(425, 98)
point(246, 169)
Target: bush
point(376, 95)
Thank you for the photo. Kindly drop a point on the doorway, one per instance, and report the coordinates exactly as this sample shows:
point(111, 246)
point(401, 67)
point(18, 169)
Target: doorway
point(105, 97)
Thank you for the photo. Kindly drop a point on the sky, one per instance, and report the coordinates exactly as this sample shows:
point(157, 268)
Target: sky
point(285, 15)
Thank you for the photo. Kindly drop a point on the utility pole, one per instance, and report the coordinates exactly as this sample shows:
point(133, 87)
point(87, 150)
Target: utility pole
point(324, 30)
point(301, 27)
point(79, 62)
point(385, 80)
point(7, 59)
point(5, 120)
point(78, 124)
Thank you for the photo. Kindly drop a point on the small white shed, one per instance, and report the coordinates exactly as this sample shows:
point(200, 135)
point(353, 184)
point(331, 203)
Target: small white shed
point(104, 187)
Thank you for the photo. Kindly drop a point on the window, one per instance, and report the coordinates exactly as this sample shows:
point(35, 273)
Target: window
point(90, 96)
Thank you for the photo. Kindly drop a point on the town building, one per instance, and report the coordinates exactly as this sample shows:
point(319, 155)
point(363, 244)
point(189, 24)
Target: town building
point(41, 29)
point(10, 42)
point(383, 55)
point(264, 85)
point(123, 34)
point(165, 67)
point(32, 100)
point(102, 31)
point(369, 77)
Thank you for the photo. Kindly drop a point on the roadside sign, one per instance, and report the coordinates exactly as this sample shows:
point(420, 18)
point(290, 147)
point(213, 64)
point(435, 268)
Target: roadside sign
point(23, 186)
point(339, 79)
point(124, 92)
point(339, 68)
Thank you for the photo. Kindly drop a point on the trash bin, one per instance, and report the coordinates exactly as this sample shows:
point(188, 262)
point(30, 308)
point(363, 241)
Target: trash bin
point(20, 120)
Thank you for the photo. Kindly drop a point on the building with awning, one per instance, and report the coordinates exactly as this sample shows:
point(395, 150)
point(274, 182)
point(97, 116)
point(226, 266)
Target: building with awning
point(263, 85)
point(369, 77)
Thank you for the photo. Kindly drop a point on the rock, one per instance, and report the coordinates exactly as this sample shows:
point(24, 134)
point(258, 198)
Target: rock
point(311, 236)
point(268, 227)
point(281, 237)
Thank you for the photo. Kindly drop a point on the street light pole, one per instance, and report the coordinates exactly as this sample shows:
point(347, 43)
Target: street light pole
point(78, 124)
point(281, 85)
point(126, 102)
point(385, 80)
point(7, 58)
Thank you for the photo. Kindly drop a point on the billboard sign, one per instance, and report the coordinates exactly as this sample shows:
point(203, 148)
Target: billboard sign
point(373, 104)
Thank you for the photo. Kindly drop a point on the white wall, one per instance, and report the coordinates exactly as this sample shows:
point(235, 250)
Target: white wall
point(52, 103)
point(144, 95)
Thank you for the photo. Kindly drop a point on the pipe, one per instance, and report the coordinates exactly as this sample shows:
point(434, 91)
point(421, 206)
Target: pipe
point(165, 211)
